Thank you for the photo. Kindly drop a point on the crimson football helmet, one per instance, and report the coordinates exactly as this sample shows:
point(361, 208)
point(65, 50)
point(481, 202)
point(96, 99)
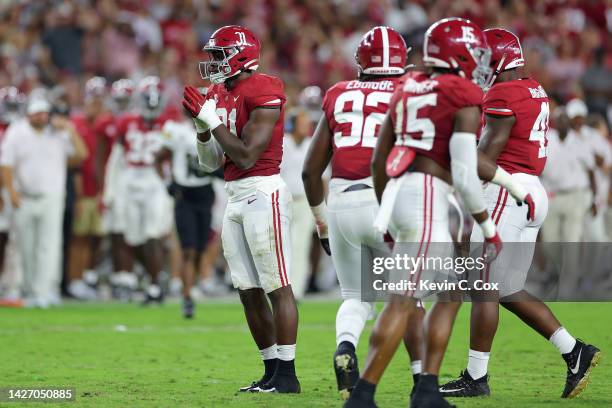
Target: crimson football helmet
point(506, 51)
point(459, 45)
point(150, 97)
point(382, 51)
point(232, 49)
point(121, 94)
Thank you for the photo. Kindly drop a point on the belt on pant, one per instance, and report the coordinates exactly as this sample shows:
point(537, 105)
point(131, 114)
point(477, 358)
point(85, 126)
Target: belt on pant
point(356, 187)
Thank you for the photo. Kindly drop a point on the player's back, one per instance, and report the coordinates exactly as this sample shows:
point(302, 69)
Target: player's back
point(355, 111)
point(526, 100)
point(424, 108)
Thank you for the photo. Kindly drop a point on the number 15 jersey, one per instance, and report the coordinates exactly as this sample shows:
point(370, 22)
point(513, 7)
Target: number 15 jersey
point(354, 111)
point(423, 112)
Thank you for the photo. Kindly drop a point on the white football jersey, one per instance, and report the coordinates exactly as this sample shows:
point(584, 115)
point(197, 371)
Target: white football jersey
point(180, 138)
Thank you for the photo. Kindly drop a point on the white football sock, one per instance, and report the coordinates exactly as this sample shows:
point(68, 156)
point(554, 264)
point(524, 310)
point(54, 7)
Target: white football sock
point(562, 340)
point(416, 367)
point(478, 363)
point(286, 352)
point(269, 353)
point(350, 320)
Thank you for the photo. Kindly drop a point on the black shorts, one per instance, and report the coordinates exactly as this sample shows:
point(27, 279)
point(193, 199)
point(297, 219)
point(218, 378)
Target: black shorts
point(193, 215)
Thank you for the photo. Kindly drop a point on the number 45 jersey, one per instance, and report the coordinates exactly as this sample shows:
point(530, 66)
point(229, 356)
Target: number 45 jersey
point(526, 100)
point(354, 111)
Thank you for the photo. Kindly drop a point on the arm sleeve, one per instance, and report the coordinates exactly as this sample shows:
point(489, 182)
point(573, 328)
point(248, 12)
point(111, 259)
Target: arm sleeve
point(210, 154)
point(464, 171)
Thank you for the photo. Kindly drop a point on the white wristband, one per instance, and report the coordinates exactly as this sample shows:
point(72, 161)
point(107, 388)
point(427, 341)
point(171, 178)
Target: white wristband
point(504, 179)
point(319, 213)
point(199, 125)
point(488, 228)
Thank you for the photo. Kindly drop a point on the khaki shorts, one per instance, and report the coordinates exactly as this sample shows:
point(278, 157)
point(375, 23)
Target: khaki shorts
point(87, 217)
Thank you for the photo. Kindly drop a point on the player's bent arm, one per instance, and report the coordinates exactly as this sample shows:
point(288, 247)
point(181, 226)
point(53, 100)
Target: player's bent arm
point(384, 144)
point(256, 136)
point(316, 161)
point(210, 152)
point(495, 135)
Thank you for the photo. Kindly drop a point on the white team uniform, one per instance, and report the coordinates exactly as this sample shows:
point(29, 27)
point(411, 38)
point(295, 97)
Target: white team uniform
point(519, 235)
point(350, 218)
point(256, 232)
point(142, 200)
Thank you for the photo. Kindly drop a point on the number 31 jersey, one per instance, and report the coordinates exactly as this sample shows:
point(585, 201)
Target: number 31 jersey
point(234, 107)
point(354, 111)
point(423, 112)
point(526, 100)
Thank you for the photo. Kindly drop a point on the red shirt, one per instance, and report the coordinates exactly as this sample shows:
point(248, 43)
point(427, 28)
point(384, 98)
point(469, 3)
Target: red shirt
point(234, 107)
point(526, 100)
point(141, 138)
point(423, 112)
point(86, 129)
point(355, 111)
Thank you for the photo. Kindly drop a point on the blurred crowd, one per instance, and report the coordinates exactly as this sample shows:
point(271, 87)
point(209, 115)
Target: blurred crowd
point(57, 46)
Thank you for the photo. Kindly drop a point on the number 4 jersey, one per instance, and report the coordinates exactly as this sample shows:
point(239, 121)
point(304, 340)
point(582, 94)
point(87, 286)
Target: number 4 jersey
point(354, 111)
point(526, 100)
point(234, 107)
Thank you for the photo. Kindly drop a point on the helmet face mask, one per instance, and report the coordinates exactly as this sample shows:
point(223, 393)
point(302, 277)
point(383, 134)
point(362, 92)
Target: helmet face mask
point(218, 68)
point(458, 45)
point(232, 50)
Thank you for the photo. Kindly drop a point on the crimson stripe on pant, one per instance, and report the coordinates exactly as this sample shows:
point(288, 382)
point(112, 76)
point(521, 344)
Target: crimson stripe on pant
point(278, 239)
point(426, 234)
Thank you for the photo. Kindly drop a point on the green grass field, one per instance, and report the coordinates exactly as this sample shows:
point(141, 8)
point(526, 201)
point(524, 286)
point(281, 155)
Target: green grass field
point(161, 360)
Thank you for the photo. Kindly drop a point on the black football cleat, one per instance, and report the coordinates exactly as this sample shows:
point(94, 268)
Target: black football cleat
point(254, 385)
point(466, 386)
point(421, 399)
point(347, 371)
point(280, 383)
point(580, 361)
point(188, 308)
point(154, 294)
point(359, 403)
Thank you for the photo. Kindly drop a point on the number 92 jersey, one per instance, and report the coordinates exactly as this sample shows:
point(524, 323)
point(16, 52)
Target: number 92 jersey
point(354, 111)
point(234, 108)
point(526, 100)
point(423, 112)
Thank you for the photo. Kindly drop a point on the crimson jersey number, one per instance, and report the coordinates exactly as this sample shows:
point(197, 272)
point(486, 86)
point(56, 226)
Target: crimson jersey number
point(413, 131)
point(363, 127)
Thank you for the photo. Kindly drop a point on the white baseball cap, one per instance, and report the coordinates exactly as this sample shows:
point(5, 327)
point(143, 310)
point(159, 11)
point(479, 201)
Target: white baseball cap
point(38, 105)
point(575, 108)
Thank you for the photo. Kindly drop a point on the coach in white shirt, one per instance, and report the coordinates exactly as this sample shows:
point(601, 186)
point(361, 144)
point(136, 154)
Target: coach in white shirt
point(569, 181)
point(295, 147)
point(35, 154)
